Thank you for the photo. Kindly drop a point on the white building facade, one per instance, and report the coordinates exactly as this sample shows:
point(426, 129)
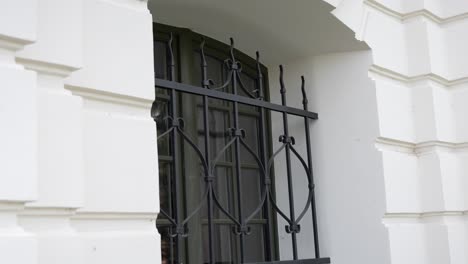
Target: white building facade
point(78, 150)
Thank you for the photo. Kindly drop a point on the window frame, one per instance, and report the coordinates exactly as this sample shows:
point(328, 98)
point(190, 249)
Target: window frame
point(185, 42)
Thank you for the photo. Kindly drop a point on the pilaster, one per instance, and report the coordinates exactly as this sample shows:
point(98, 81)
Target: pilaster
point(18, 140)
point(53, 56)
point(116, 85)
point(420, 71)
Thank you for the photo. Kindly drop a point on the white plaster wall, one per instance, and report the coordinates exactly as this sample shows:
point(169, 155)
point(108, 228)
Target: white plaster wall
point(18, 136)
point(347, 167)
point(78, 82)
point(79, 87)
point(421, 133)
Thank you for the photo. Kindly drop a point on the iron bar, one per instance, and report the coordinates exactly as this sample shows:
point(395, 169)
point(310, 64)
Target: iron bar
point(235, 67)
point(174, 145)
point(187, 88)
point(305, 103)
point(264, 154)
point(286, 139)
point(208, 174)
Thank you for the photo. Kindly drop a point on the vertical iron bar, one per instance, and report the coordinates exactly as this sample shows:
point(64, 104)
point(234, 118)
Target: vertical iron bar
point(174, 143)
point(309, 164)
point(205, 84)
point(263, 146)
point(288, 165)
point(237, 152)
point(171, 247)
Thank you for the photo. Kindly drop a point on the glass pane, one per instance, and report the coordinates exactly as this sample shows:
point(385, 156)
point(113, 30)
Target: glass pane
point(223, 187)
point(224, 244)
point(160, 59)
point(162, 126)
point(250, 125)
point(168, 249)
point(218, 126)
point(215, 71)
point(249, 84)
point(254, 244)
point(164, 187)
point(251, 192)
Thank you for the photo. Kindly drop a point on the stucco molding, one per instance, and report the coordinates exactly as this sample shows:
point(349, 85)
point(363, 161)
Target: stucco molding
point(389, 74)
point(424, 13)
point(47, 211)
point(421, 148)
point(46, 67)
point(114, 215)
point(136, 5)
point(11, 205)
point(11, 43)
point(116, 98)
point(424, 217)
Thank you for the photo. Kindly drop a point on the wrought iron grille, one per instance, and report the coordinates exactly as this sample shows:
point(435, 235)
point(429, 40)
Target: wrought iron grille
point(237, 138)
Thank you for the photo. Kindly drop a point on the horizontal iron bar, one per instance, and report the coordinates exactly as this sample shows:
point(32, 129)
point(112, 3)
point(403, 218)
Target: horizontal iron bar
point(303, 261)
point(165, 84)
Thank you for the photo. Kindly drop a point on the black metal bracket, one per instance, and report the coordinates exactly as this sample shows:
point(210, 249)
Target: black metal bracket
point(287, 140)
point(293, 228)
point(180, 230)
point(241, 230)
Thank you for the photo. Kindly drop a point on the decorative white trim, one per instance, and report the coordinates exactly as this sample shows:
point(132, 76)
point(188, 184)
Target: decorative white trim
point(394, 145)
point(136, 5)
point(361, 33)
point(74, 213)
point(415, 14)
point(14, 44)
point(11, 206)
point(47, 211)
point(389, 74)
point(418, 148)
point(114, 215)
point(425, 214)
point(104, 96)
point(440, 218)
point(46, 67)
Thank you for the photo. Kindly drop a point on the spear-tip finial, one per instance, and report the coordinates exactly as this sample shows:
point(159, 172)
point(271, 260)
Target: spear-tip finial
point(257, 53)
point(231, 49)
point(171, 52)
point(202, 43)
point(283, 89)
point(259, 90)
point(304, 95)
point(202, 52)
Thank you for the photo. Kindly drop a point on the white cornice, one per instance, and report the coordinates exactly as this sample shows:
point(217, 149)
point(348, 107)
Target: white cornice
point(386, 73)
point(104, 96)
point(47, 211)
point(418, 148)
point(11, 206)
point(425, 214)
point(14, 44)
point(424, 217)
point(114, 215)
point(414, 14)
point(46, 67)
point(136, 5)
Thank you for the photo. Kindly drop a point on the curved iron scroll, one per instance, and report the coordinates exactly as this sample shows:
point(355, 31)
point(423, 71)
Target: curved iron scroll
point(241, 219)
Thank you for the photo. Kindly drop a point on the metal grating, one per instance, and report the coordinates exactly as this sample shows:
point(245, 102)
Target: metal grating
point(240, 221)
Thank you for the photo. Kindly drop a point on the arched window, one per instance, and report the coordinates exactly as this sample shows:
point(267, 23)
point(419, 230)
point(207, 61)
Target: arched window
point(214, 141)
